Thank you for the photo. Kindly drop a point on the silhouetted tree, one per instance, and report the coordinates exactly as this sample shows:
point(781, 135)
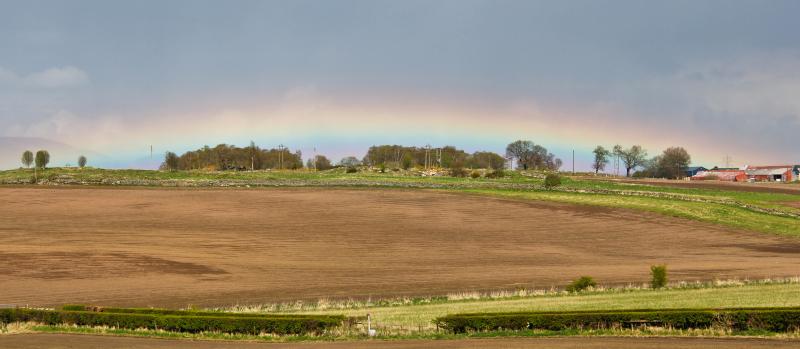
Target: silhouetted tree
point(42, 158)
point(322, 163)
point(530, 155)
point(81, 161)
point(600, 158)
point(171, 161)
point(27, 158)
point(632, 157)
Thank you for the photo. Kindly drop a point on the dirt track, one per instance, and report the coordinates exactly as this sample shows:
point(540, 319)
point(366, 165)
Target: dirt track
point(155, 247)
point(60, 341)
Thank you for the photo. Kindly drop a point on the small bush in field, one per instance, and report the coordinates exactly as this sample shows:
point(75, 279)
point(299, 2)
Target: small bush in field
point(351, 169)
point(458, 172)
point(475, 174)
point(581, 284)
point(551, 181)
point(499, 173)
point(659, 273)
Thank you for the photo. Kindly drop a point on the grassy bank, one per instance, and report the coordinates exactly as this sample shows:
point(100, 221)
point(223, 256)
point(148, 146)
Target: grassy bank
point(412, 320)
point(417, 317)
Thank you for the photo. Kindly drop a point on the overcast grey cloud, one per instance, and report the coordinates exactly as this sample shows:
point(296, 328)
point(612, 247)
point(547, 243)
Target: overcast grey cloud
point(723, 71)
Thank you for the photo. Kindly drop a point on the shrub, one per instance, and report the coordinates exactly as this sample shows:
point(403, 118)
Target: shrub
point(659, 273)
point(351, 169)
point(475, 174)
point(741, 319)
point(382, 168)
point(499, 173)
point(458, 172)
point(582, 283)
point(551, 181)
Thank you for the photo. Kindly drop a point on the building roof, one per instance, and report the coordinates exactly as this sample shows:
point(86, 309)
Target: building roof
point(769, 167)
point(767, 171)
point(721, 174)
point(695, 168)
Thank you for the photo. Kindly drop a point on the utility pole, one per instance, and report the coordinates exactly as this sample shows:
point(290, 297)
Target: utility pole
point(573, 161)
point(151, 152)
point(427, 155)
point(280, 156)
point(727, 160)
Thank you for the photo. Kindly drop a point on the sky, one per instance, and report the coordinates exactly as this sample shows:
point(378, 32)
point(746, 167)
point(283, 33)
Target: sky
point(112, 78)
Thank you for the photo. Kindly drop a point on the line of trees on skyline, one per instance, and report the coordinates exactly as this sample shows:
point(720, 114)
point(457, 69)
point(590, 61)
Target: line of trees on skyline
point(42, 158)
point(398, 156)
point(671, 163)
point(230, 157)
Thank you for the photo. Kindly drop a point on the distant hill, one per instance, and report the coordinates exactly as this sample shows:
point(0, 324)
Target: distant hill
point(11, 149)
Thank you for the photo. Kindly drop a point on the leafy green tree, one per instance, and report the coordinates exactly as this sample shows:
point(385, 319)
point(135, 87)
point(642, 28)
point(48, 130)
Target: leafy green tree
point(673, 163)
point(42, 159)
point(27, 158)
point(600, 158)
point(81, 161)
point(487, 160)
point(659, 273)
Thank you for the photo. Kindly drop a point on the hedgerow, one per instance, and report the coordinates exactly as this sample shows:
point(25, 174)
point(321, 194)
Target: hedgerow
point(157, 311)
point(768, 319)
point(220, 322)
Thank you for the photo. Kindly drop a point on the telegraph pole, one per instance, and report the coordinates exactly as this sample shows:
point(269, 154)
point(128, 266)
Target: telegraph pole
point(573, 162)
point(280, 156)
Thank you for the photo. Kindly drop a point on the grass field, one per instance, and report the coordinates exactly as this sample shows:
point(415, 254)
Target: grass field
point(412, 318)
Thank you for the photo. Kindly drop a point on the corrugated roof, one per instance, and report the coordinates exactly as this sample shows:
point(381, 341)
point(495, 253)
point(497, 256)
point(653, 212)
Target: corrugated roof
point(767, 171)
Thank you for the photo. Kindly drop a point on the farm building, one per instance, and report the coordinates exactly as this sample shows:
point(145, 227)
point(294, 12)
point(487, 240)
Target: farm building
point(721, 175)
point(691, 171)
point(780, 173)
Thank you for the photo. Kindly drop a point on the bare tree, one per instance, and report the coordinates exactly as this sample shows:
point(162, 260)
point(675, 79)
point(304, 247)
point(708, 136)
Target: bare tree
point(632, 157)
point(521, 151)
point(27, 158)
point(600, 158)
point(81, 161)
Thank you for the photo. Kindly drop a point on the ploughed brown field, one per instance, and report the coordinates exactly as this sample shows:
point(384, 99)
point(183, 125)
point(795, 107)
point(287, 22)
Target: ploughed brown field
point(65, 341)
point(205, 247)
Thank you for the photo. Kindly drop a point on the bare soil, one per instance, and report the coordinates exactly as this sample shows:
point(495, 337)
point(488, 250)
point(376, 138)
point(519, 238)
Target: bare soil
point(207, 247)
point(65, 341)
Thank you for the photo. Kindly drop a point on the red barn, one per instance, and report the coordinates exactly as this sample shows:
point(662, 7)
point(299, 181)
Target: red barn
point(778, 173)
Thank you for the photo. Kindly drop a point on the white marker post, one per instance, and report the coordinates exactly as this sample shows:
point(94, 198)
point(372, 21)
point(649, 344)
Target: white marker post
point(370, 331)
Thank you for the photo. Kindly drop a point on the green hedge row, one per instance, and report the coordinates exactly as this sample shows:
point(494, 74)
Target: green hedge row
point(178, 323)
point(157, 311)
point(769, 319)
